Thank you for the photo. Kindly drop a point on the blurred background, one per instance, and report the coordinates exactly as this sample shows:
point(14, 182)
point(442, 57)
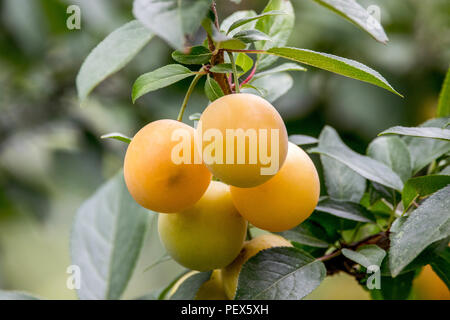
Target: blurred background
point(52, 159)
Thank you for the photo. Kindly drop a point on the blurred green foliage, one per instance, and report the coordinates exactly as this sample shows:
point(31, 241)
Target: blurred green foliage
point(51, 156)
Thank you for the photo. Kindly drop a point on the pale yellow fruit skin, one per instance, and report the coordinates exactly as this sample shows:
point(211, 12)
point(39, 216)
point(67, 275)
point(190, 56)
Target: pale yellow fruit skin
point(152, 177)
point(207, 236)
point(210, 290)
point(284, 201)
point(230, 274)
point(243, 111)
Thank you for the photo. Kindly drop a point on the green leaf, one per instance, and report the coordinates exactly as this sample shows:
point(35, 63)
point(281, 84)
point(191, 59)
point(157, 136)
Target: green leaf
point(106, 240)
point(345, 209)
point(250, 36)
point(367, 167)
point(243, 21)
point(280, 273)
point(342, 182)
point(224, 68)
point(117, 136)
point(162, 295)
point(189, 288)
point(244, 61)
point(172, 20)
point(224, 41)
point(195, 55)
point(212, 89)
point(273, 86)
point(366, 256)
point(423, 186)
point(441, 265)
point(16, 295)
point(356, 14)
point(308, 234)
point(435, 133)
point(430, 222)
point(300, 139)
point(278, 28)
point(288, 66)
point(443, 109)
point(425, 150)
point(398, 288)
point(111, 55)
point(236, 16)
point(393, 152)
point(160, 78)
point(346, 67)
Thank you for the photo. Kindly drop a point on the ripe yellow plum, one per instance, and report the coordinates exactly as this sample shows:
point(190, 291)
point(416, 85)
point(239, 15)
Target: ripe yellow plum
point(284, 201)
point(206, 236)
point(230, 274)
point(244, 139)
point(153, 178)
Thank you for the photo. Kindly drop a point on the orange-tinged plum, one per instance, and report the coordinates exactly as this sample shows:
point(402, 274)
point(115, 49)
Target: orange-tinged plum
point(153, 178)
point(284, 201)
point(230, 274)
point(206, 236)
point(244, 139)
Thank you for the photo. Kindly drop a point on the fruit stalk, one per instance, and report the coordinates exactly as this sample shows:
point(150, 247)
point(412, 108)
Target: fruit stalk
point(188, 94)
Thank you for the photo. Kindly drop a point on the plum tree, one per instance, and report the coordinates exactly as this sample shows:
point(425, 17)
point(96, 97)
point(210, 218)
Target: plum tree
point(206, 236)
point(284, 201)
point(248, 138)
point(154, 180)
point(230, 273)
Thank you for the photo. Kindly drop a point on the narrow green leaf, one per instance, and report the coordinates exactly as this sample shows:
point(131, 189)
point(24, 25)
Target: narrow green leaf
point(236, 16)
point(243, 21)
point(367, 167)
point(250, 36)
point(224, 68)
point(346, 67)
point(244, 61)
point(194, 55)
point(160, 78)
point(189, 288)
point(288, 66)
point(106, 240)
point(430, 222)
point(117, 136)
point(393, 152)
point(345, 209)
point(212, 89)
point(16, 295)
point(280, 273)
point(342, 182)
point(366, 256)
point(111, 55)
point(356, 14)
point(435, 133)
point(300, 139)
point(441, 265)
point(278, 28)
point(443, 109)
point(172, 20)
point(423, 186)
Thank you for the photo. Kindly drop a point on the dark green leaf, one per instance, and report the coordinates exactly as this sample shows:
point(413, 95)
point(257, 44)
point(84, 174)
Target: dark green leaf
point(435, 133)
point(160, 78)
point(344, 209)
point(367, 167)
point(423, 186)
point(358, 15)
point(224, 68)
point(441, 265)
point(444, 98)
point(117, 136)
point(189, 288)
point(111, 55)
point(212, 89)
point(300, 139)
point(398, 288)
point(430, 222)
point(243, 21)
point(249, 36)
point(280, 273)
point(393, 152)
point(16, 295)
point(288, 66)
point(171, 20)
point(342, 182)
point(346, 67)
point(308, 234)
point(278, 28)
point(107, 236)
point(195, 55)
point(366, 256)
